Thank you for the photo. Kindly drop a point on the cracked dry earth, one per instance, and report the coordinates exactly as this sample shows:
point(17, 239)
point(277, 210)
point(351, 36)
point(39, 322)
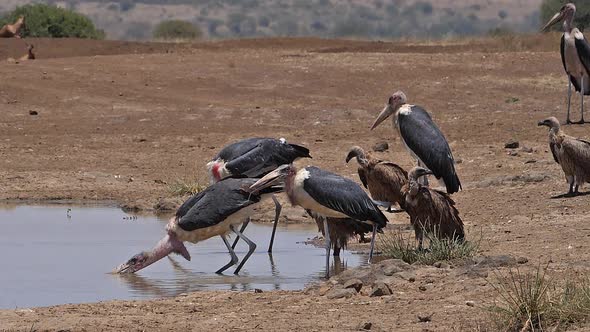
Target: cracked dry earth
point(121, 121)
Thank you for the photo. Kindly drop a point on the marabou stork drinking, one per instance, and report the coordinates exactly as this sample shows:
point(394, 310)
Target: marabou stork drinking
point(575, 56)
point(328, 195)
point(422, 138)
point(254, 158)
point(214, 211)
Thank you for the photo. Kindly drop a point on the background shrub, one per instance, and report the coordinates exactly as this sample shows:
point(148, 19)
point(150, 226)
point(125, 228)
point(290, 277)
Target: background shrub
point(177, 29)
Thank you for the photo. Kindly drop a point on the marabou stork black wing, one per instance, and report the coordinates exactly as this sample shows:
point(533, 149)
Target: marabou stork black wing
point(562, 51)
point(343, 195)
point(583, 49)
point(428, 143)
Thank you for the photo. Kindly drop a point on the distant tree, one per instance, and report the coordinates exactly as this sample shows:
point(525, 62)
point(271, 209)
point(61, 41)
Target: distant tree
point(176, 29)
point(502, 14)
point(263, 21)
point(50, 21)
point(582, 19)
point(126, 5)
point(426, 8)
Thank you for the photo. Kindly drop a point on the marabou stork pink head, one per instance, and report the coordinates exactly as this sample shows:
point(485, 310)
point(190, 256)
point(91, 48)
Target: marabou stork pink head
point(395, 101)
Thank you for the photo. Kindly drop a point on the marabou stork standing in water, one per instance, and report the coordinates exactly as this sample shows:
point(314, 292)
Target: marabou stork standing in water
point(254, 158)
point(422, 138)
point(328, 195)
point(575, 56)
point(214, 211)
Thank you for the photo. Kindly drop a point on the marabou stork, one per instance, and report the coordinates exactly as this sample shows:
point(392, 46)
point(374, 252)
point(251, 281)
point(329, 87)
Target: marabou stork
point(383, 179)
point(216, 210)
point(431, 211)
point(422, 138)
point(575, 56)
point(328, 195)
point(573, 154)
point(254, 158)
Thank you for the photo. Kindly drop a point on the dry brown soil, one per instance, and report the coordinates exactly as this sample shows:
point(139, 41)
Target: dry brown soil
point(121, 121)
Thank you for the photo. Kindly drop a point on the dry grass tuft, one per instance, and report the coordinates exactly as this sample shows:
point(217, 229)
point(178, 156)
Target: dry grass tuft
point(185, 186)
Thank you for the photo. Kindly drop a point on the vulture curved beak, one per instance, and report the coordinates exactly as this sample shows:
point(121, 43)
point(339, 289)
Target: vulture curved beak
point(387, 112)
point(555, 19)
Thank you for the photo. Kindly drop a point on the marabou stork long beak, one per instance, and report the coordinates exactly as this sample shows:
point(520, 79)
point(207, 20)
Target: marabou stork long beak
point(387, 112)
point(276, 177)
point(555, 19)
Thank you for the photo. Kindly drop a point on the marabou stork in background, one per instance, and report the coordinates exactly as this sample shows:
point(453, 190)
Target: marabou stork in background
point(383, 179)
point(216, 210)
point(254, 158)
point(575, 56)
point(431, 211)
point(573, 154)
point(422, 138)
point(328, 195)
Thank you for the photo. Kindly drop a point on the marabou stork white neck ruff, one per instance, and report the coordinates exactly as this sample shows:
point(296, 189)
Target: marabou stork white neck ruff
point(327, 195)
point(216, 210)
point(575, 56)
point(422, 138)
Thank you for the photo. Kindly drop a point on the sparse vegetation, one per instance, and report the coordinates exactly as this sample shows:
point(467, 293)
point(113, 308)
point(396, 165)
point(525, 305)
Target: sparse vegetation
point(176, 29)
point(404, 248)
point(50, 21)
point(185, 186)
point(533, 301)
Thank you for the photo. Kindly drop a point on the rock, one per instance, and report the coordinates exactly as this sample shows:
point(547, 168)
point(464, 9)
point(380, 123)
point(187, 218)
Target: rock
point(340, 293)
point(381, 147)
point(441, 265)
point(512, 144)
point(365, 326)
point(355, 284)
point(526, 149)
point(380, 289)
point(167, 204)
point(470, 303)
point(422, 318)
point(409, 276)
point(513, 153)
point(393, 266)
point(422, 288)
point(257, 290)
point(496, 261)
point(33, 113)
point(530, 161)
point(522, 260)
point(324, 290)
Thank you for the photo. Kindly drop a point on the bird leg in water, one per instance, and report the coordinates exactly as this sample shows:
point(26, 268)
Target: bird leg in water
point(244, 225)
point(372, 242)
point(569, 100)
point(234, 258)
point(278, 209)
point(328, 244)
point(251, 248)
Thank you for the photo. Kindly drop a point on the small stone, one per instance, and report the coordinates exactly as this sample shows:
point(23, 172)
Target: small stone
point(522, 260)
point(530, 161)
point(380, 289)
point(441, 265)
point(33, 113)
point(324, 290)
point(470, 303)
point(340, 293)
point(526, 149)
point(424, 318)
point(512, 144)
point(513, 153)
point(422, 288)
point(381, 147)
point(356, 284)
point(365, 326)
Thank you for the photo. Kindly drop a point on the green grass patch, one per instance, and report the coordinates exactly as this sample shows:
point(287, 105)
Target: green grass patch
point(185, 186)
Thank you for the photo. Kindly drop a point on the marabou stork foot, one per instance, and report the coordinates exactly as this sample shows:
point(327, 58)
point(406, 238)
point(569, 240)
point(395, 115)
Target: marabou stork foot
point(578, 122)
point(568, 122)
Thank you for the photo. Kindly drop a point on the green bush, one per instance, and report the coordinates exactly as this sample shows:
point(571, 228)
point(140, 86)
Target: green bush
point(49, 21)
point(177, 29)
point(582, 19)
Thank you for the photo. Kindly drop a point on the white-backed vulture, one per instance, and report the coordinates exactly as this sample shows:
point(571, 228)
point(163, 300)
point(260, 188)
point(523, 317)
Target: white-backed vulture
point(431, 211)
point(12, 30)
point(383, 179)
point(573, 154)
point(341, 230)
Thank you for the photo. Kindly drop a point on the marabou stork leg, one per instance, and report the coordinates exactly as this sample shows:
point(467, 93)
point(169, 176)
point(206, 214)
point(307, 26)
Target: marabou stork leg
point(372, 242)
point(328, 244)
point(234, 258)
point(569, 99)
point(278, 209)
point(244, 225)
point(251, 248)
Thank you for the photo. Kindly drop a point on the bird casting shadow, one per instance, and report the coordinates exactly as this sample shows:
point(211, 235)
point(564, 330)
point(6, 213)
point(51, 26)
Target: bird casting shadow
point(568, 195)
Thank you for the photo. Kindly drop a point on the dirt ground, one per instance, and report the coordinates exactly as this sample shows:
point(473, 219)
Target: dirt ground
point(121, 121)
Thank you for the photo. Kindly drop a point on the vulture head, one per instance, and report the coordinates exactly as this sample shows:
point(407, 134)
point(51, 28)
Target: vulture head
point(358, 153)
point(417, 172)
point(551, 122)
point(395, 101)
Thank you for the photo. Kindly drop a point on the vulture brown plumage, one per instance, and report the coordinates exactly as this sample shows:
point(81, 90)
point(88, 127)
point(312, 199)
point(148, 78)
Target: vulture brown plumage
point(573, 154)
point(431, 211)
point(384, 179)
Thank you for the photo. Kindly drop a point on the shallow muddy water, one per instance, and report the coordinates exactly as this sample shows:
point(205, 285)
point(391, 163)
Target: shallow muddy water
point(52, 256)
